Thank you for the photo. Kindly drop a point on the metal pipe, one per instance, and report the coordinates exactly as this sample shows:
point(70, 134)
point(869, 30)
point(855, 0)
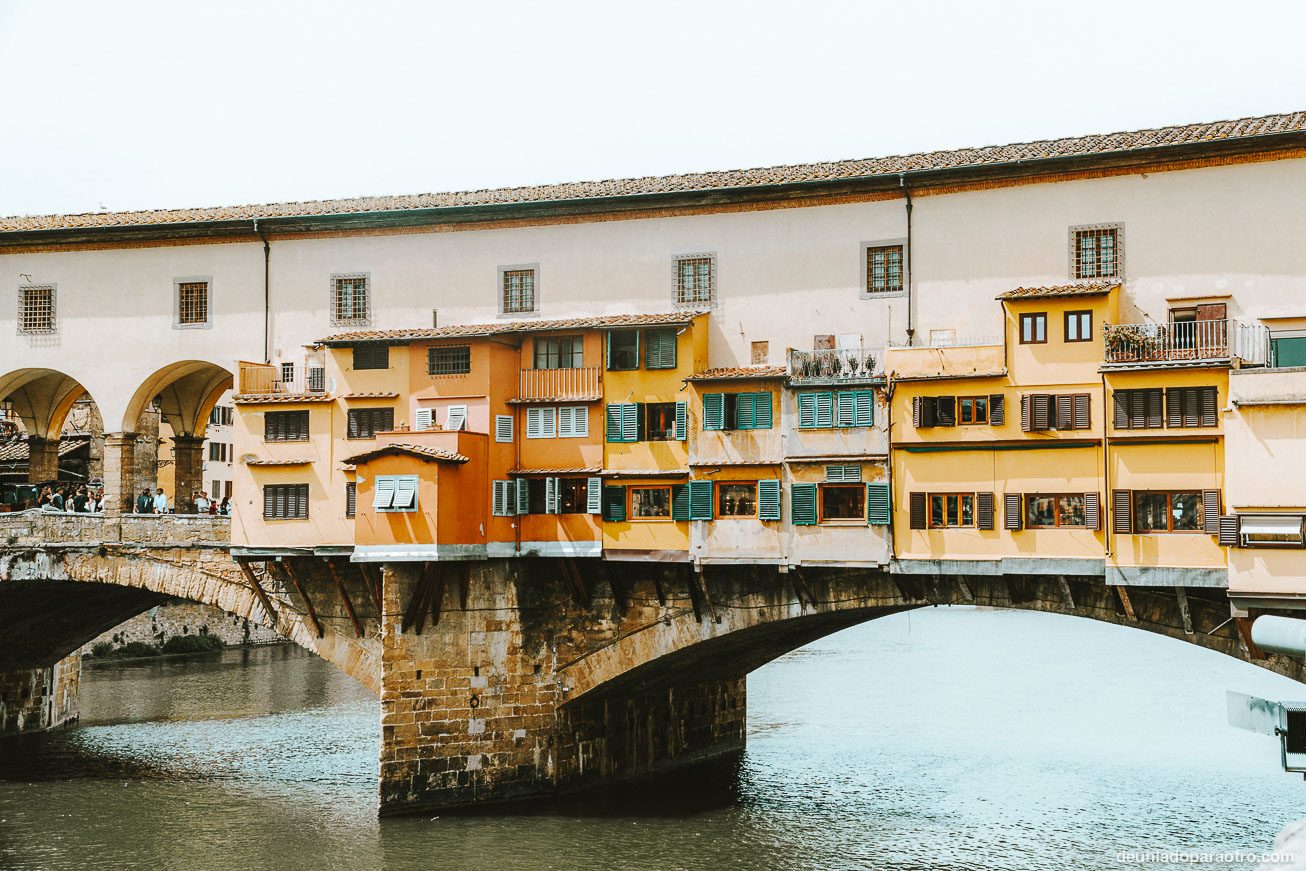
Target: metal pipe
point(1107, 506)
point(1285, 635)
point(911, 329)
point(267, 294)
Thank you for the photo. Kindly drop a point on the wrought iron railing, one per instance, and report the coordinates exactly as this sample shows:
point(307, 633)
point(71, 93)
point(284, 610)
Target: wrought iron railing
point(571, 383)
point(832, 365)
point(1223, 339)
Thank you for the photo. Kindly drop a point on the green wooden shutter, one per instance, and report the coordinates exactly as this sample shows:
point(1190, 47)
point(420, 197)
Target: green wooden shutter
point(807, 411)
point(660, 350)
point(700, 500)
point(682, 421)
point(877, 504)
point(714, 411)
point(614, 422)
point(824, 410)
point(630, 422)
point(768, 499)
point(802, 504)
point(745, 411)
point(845, 408)
point(680, 502)
point(607, 349)
point(614, 504)
point(864, 404)
point(762, 410)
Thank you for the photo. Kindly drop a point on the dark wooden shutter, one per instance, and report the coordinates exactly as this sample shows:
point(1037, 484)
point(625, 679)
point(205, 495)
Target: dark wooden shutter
point(1211, 511)
point(802, 504)
point(915, 411)
point(1208, 411)
point(1120, 402)
point(1154, 412)
point(984, 510)
point(1092, 511)
point(1174, 407)
point(614, 504)
point(997, 410)
point(1122, 521)
point(1137, 408)
point(1011, 511)
point(924, 410)
point(1083, 414)
point(351, 499)
point(1065, 411)
point(1229, 530)
point(917, 511)
point(1024, 413)
point(1042, 411)
point(945, 410)
point(269, 500)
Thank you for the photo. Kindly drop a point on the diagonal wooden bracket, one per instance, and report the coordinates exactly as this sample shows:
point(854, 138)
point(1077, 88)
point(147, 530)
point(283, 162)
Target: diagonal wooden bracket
point(257, 588)
point(288, 566)
point(344, 596)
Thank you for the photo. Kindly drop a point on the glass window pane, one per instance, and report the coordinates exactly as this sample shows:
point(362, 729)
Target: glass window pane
point(842, 503)
point(1040, 510)
point(737, 500)
point(1185, 510)
point(936, 511)
point(650, 502)
point(1070, 510)
point(1150, 512)
point(967, 511)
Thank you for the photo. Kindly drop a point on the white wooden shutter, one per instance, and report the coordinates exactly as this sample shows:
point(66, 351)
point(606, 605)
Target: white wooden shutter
point(405, 493)
point(503, 427)
point(594, 496)
point(457, 418)
point(385, 493)
point(422, 418)
point(523, 494)
point(550, 495)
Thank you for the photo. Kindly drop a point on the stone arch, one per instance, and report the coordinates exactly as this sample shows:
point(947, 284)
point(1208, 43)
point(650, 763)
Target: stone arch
point(45, 402)
point(187, 391)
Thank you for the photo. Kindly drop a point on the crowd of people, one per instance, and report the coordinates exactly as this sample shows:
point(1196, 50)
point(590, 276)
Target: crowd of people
point(157, 503)
point(83, 499)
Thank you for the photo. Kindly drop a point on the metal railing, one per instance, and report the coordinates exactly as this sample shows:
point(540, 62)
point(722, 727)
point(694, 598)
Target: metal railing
point(832, 365)
point(572, 383)
point(1224, 339)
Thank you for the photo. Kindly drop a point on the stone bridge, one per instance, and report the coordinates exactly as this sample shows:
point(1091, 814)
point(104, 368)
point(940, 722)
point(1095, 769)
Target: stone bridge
point(511, 679)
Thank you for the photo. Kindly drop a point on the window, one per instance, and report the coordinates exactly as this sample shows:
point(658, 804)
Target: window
point(537, 492)
point(349, 303)
point(1139, 408)
point(660, 422)
point(365, 423)
point(573, 496)
point(351, 499)
point(952, 510)
point(371, 357)
point(573, 421)
point(287, 373)
point(1033, 328)
point(285, 501)
point(761, 353)
point(518, 287)
point(192, 303)
point(623, 350)
point(1187, 407)
point(973, 409)
point(843, 502)
point(1288, 348)
point(1060, 411)
point(449, 360)
point(542, 422)
point(220, 416)
point(285, 426)
point(660, 349)
point(395, 493)
point(564, 352)
point(730, 411)
point(1268, 530)
point(36, 310)
point(1167, 512)
point(883, 269)
point(503, 427)
point(219, 452)
point(844, 408)
point(1066, 509)
point(1095, 251)
point(1079, 326)
point(737, 499)
point(650, 503)
point(695, 280)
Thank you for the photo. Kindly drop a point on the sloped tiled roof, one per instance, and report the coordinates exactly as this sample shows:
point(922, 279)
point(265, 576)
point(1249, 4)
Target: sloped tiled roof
point(272, 398)
point(423, 452)
point(1099, 288)
point(458, 331)
point(371, 394)
point(292, 461)
point(731, 373)
point(840, 170)
point(516, 472)
point(18, 450)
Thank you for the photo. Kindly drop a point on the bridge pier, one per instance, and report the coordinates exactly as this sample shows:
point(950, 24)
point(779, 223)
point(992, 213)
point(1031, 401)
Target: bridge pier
point(43, 459)
point(188, 474)
point(119, 472)
point(37, 699)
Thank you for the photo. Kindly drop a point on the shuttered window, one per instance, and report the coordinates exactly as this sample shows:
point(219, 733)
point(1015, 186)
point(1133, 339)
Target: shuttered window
point(816, 410)
point(878, 506)
point(660, 349)
point(351, 499)
point(917, 514)
point(731, 411)
point(997, 410)
point(623, 421)
point(1011, 511)
point(456, 418)
point(714, 411)
point(945, 410)
point(1092, 511)
point(371, 357)
point(930, 411)
point(594, 495)
point(503, 498)
point(1045, 411)
point(503, 427)
point(365, 423)
point(1138, 409)
point(621, 348)
point(1211, 512)
point(1191, 407)
point(423, 419)
point(285, 501)
point(983, 510)
point(542, 422)
point(682, 421)
point(1121, 512)
point(700, 500)
point(614, 504)
point(1228, 533)
point(573, 421)
point(768, 499)
point(854, 408)
point(395, 493)
point(837, 474)
point(285, 426)
point(802, 504)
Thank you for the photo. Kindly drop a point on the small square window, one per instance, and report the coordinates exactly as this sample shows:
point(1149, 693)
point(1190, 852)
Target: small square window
point(1079, 326)
point(737, 499)
point(192, 303)
point(517, 291)
point(1095, 251)
point(623, 350)
point(287, 375)
point(36, 310)
point(650, 503)
point(843, 502)
point(883, 268)
point(350, 305)
point(371, 357)
point(695, 280)
point(564, 352)
point(952, 510)
point(1034, 328)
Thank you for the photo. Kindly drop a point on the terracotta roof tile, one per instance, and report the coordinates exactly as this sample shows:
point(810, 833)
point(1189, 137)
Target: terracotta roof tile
point(1099, 288)
point(268, 398)
point(371, 394)
point(423, 452)
point(458, 331)
point(992, 155)
point(554, 471)
point(739, 373)
point(18, 451)
point(296, 461)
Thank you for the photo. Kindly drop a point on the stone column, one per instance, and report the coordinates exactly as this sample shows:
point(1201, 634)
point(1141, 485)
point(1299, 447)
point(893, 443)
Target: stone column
point(43, 459)
point(188, 457)
point(35, 699)
point(119, 472)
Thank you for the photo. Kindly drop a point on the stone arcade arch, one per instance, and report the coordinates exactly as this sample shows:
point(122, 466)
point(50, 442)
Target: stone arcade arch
point(42, 399)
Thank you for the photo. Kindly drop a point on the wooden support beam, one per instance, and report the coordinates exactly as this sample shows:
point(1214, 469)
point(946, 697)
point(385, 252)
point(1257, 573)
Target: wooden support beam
point(801, 589)
point(575, 581)
point(1244, 626)
point(657, 588)
point(437, 599)
point(257, 588)
point(288, 565)
point(465, 578)
point(1123, 595)
point(618, 588)
point(699, 580)
point(1066, 593)
point(344, 596)
point(1184, 612)
point(372, 581)
point(964, 587)
point(415, 613)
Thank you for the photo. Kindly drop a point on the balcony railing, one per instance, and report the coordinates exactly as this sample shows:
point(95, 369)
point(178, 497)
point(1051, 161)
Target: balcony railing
point(832, 366)
point(561, 384)
point(1186, 340)
point(262, 378)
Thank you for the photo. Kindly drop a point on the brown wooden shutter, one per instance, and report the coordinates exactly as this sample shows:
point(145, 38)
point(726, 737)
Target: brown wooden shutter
point(1092, 511)
point(1042, 411)
point(1174, 407)
point(1024, 413)
point(916, 412)
point(1211, 511)
point(1083, 414)
point(1122, 521)
point(997, 410)
point(984, 510)
point(1208, 410)
point(1012, 518)
point(1192, 409)
point(1065, 411)
point(1137, 408)
point(1120, 400)
point(1229, 530)
point(917, 511)
point(945, 410)
point(1155, 398)
point(1212, 311)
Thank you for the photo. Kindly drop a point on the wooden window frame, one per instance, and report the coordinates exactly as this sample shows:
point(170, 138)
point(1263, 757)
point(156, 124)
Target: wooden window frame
point(1033, 318)
point(888, 248)
point(1200, 528)
point(720, 508)
point(1056, 510)
point(973, 400)
point(551, 346)
point(506, 276)
point(269, 428)
point(959, 496)
point(1078, 313)
point(823, 487)
point(382, 356)
point(630, 503)
point(454, 355)
point(299, 489)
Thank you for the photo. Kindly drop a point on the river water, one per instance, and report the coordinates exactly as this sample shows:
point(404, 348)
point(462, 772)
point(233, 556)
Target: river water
point(947, 738)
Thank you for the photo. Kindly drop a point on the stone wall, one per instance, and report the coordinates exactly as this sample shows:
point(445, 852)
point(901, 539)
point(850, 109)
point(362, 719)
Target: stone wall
point(41, 698)
point(170, 619)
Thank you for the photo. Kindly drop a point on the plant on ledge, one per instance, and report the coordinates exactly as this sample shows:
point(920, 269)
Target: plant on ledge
point(1136, 341)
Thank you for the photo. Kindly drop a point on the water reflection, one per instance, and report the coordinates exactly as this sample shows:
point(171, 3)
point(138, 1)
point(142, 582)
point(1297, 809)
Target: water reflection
point(945, 738)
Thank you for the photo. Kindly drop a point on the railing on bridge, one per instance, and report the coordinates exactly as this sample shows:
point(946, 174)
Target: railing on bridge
point(35, 527)
point(1224, 339)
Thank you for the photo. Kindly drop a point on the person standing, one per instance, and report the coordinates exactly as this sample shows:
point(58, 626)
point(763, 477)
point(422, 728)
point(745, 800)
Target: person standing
point(202, 503)
point(160, 502)
point(144, 502)
point(80, 501)
point(224, 509)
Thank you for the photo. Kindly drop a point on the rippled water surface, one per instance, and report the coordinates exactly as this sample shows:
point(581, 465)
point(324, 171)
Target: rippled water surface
point(942, 738)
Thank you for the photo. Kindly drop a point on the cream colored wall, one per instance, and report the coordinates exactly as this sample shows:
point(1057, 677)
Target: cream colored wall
point(843, 543)
point(1265, 445)
point(1188, 467)
point(737, 538)
point(833, 441)
point(734, 446)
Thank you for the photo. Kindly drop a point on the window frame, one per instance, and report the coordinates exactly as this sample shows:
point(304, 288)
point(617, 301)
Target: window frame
point(303, 499)
point(609, 351)
point(647, 431)
point(631, 490)
point(974, 405)
point(1199, 527)
point(502, 292)
point(540, 344)
point(959, 496)
point(1056, 511)
point(334, 308)
point(1033, 318)
point(430, 360)
point(570, 483)
point(823, 487)
point(268, 417)
point(53, 326)
point(677, 284)
point(1080, 314)
point(865, 290)
point(177, 283)
point(719, 488)
point(369, 348)
point(1075, 233)
point(369, 414)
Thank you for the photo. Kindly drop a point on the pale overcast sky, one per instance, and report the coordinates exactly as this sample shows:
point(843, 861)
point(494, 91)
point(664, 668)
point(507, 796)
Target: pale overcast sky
point(126, 105)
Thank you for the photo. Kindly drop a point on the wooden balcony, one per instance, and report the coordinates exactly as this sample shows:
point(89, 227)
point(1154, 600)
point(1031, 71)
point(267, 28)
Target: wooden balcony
point(561, 385)
point(261, 379)
point(1185, 342)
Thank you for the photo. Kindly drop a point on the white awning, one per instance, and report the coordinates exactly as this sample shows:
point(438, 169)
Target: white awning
point(1254, 525)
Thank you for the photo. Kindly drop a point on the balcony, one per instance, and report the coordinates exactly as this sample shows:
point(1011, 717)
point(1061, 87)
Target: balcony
point(580, 384)
point(833, 366)
point(1185, 343)
point(263, 379)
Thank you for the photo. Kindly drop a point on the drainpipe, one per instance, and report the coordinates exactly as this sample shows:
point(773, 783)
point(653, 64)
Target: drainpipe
point(1106, 474)
point(911, 329)
point(888, 450)
point(267, 295)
